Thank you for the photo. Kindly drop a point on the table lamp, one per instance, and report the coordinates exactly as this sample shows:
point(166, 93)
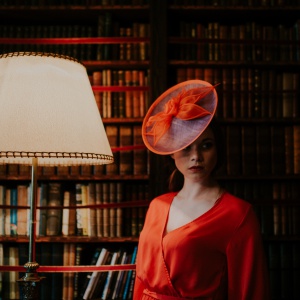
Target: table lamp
point(48, 117)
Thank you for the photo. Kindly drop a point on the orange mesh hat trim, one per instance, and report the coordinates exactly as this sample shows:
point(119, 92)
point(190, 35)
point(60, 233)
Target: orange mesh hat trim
point(182, 112)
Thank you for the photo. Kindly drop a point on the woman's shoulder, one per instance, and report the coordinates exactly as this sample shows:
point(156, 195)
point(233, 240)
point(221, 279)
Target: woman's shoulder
point(160, 204)
point(164, 198)
point(235, 205)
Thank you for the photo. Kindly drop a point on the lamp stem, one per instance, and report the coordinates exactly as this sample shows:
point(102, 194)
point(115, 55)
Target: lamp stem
point(29, 283)
point(32, 218)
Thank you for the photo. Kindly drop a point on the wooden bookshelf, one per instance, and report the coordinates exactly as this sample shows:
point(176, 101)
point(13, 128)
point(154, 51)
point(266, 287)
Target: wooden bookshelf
point(185, 39)
point(115, 211)
point(252, 51)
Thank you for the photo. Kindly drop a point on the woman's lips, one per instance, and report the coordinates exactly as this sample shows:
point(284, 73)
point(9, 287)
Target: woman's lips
point(196, 168)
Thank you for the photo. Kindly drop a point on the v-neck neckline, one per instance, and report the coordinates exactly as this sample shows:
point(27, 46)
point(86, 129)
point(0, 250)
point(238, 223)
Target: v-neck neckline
point(216, 204)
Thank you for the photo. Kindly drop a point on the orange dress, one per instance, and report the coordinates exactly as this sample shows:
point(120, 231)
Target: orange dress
point(219, 255)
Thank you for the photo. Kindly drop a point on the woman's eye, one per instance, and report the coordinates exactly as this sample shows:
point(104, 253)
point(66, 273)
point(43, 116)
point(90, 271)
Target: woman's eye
point(207, 145)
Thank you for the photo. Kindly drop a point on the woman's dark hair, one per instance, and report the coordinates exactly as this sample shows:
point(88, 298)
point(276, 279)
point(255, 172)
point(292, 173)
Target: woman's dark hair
point(176, 178)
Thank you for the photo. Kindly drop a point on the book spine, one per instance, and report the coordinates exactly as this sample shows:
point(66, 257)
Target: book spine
point(13, 212)
point(54, 215)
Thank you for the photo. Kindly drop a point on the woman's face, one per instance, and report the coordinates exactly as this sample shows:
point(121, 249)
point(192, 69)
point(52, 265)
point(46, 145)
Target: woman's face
point(198, 160)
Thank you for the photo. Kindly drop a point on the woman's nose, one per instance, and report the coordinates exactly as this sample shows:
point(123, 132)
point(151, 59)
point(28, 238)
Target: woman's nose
point(196, 155)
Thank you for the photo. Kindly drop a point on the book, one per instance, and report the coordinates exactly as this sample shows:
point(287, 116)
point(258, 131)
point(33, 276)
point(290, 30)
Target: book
point(7, 212)
point(121, 100)
point(57, 277)
point(277, 149)
point(97, 81)
point(249, 159)
point(129, 277)
point(72, 213)
point(287, 94)
point(119, 276)
point(13, 169)
point(296, 268)
point(263, 149)
point(106, 218)
point(77, 278)
point(79, 215)
point(63, 171)
point(233, 149)
point(13, 212)
point(296, 139)
point(65, 213)
point(22, 196)
point(112, 210)
point(1, 273)
point(86, 279)
point(119, 210)
point(135, 95)
point(13, 276)
point(101, 278)
point(108, 25)
point(94, 275)
point(66, 262)
point(128, 46)
point(92, 214)
point(286, 266)
point(43, 212)
point(142, 94)
point(112, 136)
point(289, 149)
point(54, 214)
point(45, 253)
point(109, 283)
point(140, 157)
point(84, 211)
point(274, 267)
point(125, 158)
point(99, 211)
point(129, 105)
point(2, 211)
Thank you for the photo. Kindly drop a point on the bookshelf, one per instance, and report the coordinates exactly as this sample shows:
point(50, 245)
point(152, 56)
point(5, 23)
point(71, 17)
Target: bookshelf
point(82, 209)
point(251, 49)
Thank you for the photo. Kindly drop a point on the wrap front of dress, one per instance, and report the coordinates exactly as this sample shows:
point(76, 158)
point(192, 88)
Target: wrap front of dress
point(219, 255)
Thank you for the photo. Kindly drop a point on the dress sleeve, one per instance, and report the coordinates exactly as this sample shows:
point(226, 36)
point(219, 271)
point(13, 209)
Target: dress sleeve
point(248, 277)
point(138, 289)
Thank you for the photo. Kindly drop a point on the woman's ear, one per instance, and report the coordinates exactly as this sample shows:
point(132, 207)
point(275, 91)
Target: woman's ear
point(172, 156)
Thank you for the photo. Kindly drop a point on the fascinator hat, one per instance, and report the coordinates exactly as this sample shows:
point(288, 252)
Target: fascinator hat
point(179, 116)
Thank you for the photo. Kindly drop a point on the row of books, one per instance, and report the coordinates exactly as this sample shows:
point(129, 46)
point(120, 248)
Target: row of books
point(250, 92)
point(275, 203)
point(262, 149)
point(112, 284)
point(137, 51)
point(60, 213)
point(109, 222)
point(122, 104)
point(84, 285)
point(62, 3)
point(130, 158)
point(279, 219)
point(9, 288)
point(251, 149)
point(284, 269)
point(250, 3)
point(108, 27)
point(264, 192)
point(127, 162)
point(249, 41)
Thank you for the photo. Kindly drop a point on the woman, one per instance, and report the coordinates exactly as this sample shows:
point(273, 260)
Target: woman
point(199, 242)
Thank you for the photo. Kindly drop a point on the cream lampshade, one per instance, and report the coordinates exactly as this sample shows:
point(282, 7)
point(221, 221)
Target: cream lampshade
point(48, 116)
